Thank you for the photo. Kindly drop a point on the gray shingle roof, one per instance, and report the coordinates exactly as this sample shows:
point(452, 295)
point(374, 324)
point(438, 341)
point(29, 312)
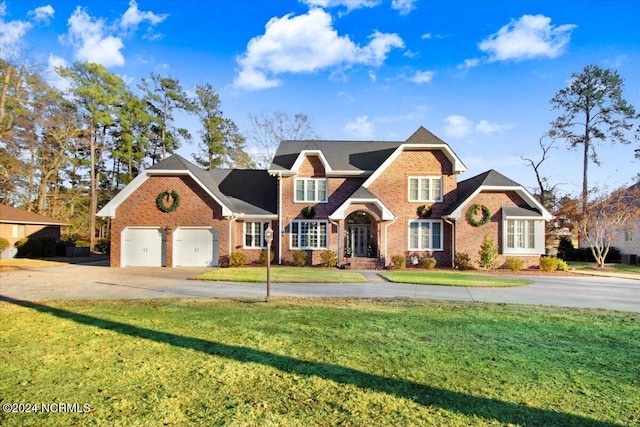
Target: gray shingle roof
point(467, 187)
point(517, 211)
point(241, 190)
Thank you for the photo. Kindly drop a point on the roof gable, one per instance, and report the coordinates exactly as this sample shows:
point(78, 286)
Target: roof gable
point(491, 180)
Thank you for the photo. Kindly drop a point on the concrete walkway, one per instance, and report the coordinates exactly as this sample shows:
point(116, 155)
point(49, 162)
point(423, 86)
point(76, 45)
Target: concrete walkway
point(101, 282)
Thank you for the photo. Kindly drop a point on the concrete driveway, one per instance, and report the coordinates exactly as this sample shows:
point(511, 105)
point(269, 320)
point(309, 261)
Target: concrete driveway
point(102, 282)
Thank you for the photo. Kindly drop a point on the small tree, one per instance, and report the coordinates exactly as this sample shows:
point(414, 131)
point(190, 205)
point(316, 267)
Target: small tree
point(488, 253)
point(606, 216)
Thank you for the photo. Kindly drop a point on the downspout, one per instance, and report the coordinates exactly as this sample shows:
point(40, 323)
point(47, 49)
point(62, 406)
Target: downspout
point(231, 218)
point(453, 240)
point(280, 229)
point(386, 226)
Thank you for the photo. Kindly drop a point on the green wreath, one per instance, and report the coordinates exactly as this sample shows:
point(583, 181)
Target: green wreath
point(169, 196)
point(424, 211)
point(473, 210)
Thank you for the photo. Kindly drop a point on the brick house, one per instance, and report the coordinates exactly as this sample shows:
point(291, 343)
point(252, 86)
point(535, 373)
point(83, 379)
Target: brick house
point(364, 200)
point(16, 224)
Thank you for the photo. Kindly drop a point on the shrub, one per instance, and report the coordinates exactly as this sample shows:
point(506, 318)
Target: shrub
point(514, 264)
point(488, 253)
point(262, 258)
point(103, 246)
point(548, 263)
point(562, 265)
point(462, 261)
point(398, 261)
point(429, 263)
point(328, 258)
point(237, 259)
point(566, 249)
point(4, 244)
point(299, 258)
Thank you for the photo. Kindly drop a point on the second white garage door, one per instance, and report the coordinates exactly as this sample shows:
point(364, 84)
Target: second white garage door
point(195, 247)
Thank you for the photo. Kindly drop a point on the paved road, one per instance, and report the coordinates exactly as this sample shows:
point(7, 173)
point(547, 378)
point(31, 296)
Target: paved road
point(101, 282)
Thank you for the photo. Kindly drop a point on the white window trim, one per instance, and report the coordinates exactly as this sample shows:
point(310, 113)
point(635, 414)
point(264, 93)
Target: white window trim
point(291, 234)
point(305, 180)
point(539, 244)
point(263, 244)
point(431, 179)
point(431, 221)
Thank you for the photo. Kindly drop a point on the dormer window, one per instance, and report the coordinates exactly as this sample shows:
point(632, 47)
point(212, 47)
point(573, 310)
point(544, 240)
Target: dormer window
point(311, 190)
point(425, 189)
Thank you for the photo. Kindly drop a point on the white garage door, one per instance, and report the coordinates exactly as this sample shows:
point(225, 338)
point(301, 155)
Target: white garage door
point(195, 247)
point(143, 247)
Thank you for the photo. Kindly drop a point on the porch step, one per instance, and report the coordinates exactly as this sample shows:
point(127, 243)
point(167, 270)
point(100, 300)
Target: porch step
point(358, 263)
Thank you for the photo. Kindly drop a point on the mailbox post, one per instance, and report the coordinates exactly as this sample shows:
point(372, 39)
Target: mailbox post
point(268, 237)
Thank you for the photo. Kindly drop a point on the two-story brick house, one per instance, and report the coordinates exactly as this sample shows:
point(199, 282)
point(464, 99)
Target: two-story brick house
point(364, 200)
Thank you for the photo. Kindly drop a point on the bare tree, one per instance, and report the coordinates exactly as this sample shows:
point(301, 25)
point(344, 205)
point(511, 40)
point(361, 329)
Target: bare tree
point(545, 193)
point(268, 130)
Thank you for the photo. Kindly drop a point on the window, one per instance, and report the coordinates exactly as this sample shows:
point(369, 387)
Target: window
point(18, 231)
point(424, 189)
point(425, 235)
point(254, 234)
point(311, 190)
point(309, 235)
point(628, 235)
point(521, 235)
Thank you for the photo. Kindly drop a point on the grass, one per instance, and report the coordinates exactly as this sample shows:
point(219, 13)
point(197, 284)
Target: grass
point(619, 268)
point(296, 362)
point(452, 278)
point(13, 264)
point(282, 275)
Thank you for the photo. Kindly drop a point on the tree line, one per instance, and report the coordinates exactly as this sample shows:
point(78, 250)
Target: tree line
point(66, 153)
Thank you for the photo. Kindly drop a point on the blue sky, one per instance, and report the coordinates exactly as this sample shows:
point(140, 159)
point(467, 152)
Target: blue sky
point(479, 74)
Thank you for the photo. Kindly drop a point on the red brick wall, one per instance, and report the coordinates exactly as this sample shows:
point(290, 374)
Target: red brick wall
point(469, 237)
point(196, 209)
point(392, 188)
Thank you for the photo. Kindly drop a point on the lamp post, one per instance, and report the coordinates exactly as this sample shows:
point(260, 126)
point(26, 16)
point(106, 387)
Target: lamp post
point(268, 236)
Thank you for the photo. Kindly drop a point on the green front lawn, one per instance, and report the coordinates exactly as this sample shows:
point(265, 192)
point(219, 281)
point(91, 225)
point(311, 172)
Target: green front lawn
point(451, 278)
point(296, 362)
point(282, 275)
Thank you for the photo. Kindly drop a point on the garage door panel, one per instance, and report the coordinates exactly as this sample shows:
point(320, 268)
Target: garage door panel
point(195, 247)
point(143, 247)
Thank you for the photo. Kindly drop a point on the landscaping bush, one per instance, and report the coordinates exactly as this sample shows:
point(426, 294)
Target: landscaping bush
point(262, 258)
point(237, 259)
point(299, 258)
point(566, 249)
point(548, 263)
point(103, 246)
point(36, 247)
point(4, 244)
point(562, 265)
point(398, 261)
point(462, 261)
point(488, 253)
point(514, 264)
point(328, 258)
point(429, 263)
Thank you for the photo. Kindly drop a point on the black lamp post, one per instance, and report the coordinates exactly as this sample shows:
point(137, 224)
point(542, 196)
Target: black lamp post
point(268, 236)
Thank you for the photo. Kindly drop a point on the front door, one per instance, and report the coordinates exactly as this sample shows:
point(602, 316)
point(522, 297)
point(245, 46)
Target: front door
point(359, 236)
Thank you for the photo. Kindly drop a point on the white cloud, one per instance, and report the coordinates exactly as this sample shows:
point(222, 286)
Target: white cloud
point(52, 76)
point(361, 127)
point(304, 44)
point(488, 128)
point(133, 17)
point(530, 36)
point(11, 33)
point(348, 4)
point(372, 76)
point(457, 126)
point(88, 36)
point(403, 6)
point(422, 77)
point(42, 13)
